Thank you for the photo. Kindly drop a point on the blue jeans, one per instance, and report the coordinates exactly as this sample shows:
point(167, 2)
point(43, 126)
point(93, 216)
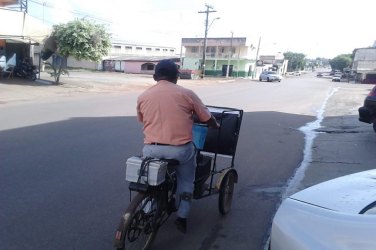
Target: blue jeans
point(185, 171)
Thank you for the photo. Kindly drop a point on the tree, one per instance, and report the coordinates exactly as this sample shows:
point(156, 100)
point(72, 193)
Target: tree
point(296, 60)
point(82, 39)
point(340, 62)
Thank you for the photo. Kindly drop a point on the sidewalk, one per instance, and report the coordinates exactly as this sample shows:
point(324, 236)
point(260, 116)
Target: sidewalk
point(83, 82)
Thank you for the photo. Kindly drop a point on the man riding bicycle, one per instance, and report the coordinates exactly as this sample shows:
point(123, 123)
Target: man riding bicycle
point(166, 111)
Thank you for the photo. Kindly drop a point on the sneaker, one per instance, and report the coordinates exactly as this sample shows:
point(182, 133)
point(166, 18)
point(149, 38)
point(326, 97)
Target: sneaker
point(181, 224)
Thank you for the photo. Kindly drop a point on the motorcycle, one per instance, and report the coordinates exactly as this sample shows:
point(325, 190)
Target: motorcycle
point(26, 70)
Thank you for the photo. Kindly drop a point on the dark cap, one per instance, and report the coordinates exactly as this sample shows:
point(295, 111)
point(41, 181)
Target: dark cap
point(167, 68)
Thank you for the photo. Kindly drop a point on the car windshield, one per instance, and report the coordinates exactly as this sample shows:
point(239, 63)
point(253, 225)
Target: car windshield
point(271, 73)
point(370, 209)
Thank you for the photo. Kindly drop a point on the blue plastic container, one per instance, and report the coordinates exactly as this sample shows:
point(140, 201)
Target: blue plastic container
point(199, 133)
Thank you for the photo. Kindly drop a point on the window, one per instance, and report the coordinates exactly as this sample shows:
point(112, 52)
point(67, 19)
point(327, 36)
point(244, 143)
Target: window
point(157, 49)
point(370, 210)
point(172, 50)
point(116, 48)
point(138, 48)
point(210, 49)
point(128, 47)
point(194, 49)
point(148, 49)
point(147, 66)
point(164, 49)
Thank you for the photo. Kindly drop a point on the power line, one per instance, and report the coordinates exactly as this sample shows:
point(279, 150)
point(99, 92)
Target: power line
point(75, 12)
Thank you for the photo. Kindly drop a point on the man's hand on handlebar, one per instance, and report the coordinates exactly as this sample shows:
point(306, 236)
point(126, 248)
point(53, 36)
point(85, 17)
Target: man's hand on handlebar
point(212, 122)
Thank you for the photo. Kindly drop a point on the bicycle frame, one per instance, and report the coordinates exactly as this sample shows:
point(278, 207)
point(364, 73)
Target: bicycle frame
point(160, 192)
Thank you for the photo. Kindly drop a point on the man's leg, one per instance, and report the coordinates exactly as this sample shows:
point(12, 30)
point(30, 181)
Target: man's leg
point(185, 173)
point(186, 155)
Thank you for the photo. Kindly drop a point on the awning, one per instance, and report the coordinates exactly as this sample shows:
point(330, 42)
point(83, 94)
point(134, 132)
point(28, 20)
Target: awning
point(21, 27)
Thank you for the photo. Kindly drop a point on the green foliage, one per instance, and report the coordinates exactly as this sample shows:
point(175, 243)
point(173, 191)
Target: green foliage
point(82, 39)
point(340, 62)
point(323, 61)
point(296, 61)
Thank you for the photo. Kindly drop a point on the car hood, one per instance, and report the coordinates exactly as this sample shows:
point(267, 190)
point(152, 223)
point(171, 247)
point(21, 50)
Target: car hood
point(349, 194)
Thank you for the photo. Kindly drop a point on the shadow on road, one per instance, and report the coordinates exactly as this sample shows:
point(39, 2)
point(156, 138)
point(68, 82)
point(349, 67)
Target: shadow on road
point(63, 184)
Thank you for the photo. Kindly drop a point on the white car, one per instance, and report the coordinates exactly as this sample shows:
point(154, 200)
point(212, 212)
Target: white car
point(337, 77)
point(337, 214)
point(270, 76)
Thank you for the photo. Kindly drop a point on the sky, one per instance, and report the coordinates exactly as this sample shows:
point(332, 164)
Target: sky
point(320, 28)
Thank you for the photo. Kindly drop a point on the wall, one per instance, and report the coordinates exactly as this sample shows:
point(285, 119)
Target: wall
point(73, 63)
point(121, 49)
point(135, 68)
point(241, 52)
point(191, 63)
point(365, 54)
point(240, 68)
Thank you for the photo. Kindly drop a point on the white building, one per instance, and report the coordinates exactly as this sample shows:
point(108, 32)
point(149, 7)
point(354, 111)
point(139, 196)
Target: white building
point(220, 52)
point(364, 64)
point(128, 57)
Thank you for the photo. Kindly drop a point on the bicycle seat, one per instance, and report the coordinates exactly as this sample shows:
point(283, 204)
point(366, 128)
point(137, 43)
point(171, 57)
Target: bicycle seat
point(171, 162)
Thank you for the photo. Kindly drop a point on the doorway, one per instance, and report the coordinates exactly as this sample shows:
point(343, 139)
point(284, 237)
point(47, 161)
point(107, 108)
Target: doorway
point(224, 70)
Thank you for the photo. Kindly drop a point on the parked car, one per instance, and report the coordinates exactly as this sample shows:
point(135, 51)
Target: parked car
point(367, 113)
point(319, 74)
point(337, 77)
point(270, 76)
point(337, 214)
point(297, 73)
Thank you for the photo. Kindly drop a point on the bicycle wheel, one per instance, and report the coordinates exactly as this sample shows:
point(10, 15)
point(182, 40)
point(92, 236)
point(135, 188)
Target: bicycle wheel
point(226, 191)
point(138, 226)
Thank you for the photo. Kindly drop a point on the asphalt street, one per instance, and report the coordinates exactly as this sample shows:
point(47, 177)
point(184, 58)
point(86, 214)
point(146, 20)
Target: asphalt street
point(63, 149)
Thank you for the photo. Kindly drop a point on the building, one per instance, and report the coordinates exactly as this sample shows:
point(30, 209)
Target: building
point(124, 48)
point(220, 52)
point(364, 65)
point(129, 57)
point(135, 64)
point(18, 39)
point(137, 58)
point(271, 63)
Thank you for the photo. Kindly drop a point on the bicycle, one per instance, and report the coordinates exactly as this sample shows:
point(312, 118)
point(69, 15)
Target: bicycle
point(154, 201)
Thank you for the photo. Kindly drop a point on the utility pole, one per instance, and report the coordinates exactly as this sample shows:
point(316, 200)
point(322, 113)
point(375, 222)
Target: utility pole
point(258, 48)
point(229, 56)
point(208, 10)
point(23, 5)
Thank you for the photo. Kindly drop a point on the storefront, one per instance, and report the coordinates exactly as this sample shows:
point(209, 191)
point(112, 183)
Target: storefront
point(17, 39)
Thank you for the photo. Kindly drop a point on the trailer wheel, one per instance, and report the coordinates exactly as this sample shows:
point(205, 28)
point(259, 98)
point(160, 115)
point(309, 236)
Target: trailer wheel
point(226, 192)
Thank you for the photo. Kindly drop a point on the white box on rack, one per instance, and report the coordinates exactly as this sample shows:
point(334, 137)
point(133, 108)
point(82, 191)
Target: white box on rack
point(156, 169)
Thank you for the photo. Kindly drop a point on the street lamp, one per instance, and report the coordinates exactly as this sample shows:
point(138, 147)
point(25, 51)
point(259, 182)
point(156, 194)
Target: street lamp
point(217, 18)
